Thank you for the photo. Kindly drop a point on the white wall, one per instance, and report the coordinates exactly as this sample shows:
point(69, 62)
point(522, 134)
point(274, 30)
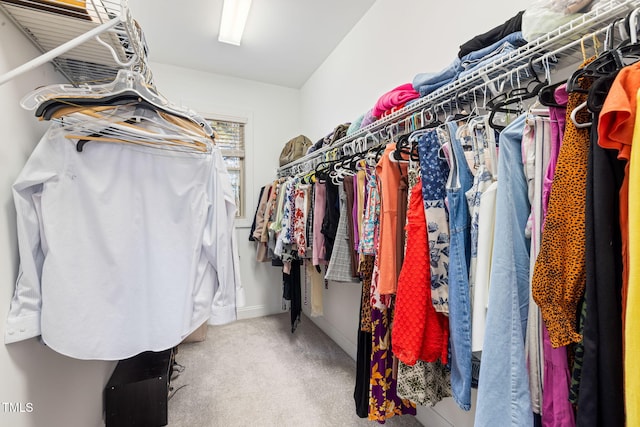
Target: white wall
point(273, 117)
point(64, 392)
point(393, 42)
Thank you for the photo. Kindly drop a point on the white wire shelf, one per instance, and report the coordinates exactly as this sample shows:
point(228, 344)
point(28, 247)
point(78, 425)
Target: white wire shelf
point(51, 23)
point(555, 50)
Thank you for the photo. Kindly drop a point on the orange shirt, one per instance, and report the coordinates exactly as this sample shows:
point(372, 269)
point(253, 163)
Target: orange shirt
point(389, 174)
point(617, 118)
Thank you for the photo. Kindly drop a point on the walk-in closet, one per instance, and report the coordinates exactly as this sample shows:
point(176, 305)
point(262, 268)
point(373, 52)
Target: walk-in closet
point(298, 213)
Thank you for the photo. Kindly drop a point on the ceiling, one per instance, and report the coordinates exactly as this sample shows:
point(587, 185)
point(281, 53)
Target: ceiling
point(284, 41)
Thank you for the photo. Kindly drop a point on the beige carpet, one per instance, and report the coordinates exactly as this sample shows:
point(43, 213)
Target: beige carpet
point(256, 373)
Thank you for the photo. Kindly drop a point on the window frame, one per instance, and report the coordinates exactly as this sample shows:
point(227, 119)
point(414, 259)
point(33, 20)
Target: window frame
point(241, 213)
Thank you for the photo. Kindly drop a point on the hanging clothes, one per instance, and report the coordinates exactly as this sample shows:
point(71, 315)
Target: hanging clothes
point(535, 158)
point(389, 174)
point(371, 217)
point(484, 211)
point(299, 223)
point(616, 131)
point(365, 342)
point(317, 282)
point(557, 409)
point(331, 218)
point(384, 402)
point(261, 219)
point(339, 268)
point(285, 232)
point(601, 393)
point(352, 223)
point(419, 332)
point(292, 292)
point(359, 187)
point(459, 182)
point(259, 209)
point(103, 251)
point(503, 388)
point(424, 383)
point(319, 249)
point(632, 313)
point(434, 172)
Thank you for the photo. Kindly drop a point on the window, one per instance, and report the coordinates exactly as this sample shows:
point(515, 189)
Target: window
point(230, 141)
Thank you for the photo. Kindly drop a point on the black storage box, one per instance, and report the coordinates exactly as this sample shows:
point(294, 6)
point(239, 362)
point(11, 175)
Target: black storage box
point(136, 394)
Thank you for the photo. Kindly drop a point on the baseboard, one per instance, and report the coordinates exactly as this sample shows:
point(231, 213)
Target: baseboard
point(255, 311)
point(334, 333)
point(429, 417)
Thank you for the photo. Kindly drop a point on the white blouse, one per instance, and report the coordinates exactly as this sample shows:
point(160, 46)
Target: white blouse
point(123, 248)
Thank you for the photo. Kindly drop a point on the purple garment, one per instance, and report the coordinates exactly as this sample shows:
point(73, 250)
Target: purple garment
point(368, 119)
point(557, 411)
point(354, 213)
point(556, 408)
point(557, 117)
point(384, 402)
point(319, 252)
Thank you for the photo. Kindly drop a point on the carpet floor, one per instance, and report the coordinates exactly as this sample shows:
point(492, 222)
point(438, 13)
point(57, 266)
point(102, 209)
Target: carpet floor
point(255, 372)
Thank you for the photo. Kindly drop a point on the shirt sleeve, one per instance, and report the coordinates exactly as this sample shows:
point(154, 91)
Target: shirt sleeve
point(220, 244)
point(42, 168)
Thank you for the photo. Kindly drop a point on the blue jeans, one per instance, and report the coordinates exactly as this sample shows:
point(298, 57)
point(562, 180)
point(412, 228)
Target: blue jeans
point(503, 388)
point(473, 58)
point(460, 181)
point(504, 49)
point(425, 83)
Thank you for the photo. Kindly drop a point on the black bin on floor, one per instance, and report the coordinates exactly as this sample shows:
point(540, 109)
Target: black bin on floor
point(136, 394)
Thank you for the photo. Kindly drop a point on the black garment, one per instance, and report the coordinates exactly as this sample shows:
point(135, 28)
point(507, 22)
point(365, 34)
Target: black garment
point(291, 292)
point(493, 35)
point(537, 420)
point(337, 133)
point(255, 216)
point(331, 218)
point(363, 371)
point(601, 398)
point(318, 145)
point(309, 228)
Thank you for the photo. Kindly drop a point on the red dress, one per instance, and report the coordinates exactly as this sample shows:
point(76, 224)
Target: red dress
point(419, 332)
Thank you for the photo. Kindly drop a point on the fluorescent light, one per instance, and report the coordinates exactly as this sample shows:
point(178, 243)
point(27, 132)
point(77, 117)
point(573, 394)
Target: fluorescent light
point(234, 17)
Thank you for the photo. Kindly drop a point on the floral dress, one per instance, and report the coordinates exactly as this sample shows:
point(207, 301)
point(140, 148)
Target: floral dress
point(435, 170)
point(384, 402)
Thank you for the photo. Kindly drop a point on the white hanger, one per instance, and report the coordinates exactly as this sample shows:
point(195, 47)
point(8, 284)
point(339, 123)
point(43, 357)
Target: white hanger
point(113, 125)
point(126, 82)
point(574, 118)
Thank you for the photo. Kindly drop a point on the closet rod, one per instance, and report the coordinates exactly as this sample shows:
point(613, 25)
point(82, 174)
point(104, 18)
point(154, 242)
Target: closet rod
point(593, 22)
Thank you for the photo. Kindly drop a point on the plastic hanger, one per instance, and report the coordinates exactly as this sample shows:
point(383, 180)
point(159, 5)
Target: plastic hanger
point(126, 83)
point(613, 59)
point(547, 97)
point(134, 125)
point(574, 115)
point(510, 103)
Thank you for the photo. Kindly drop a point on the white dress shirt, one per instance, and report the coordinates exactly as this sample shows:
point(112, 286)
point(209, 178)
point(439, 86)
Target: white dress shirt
point(123, 248)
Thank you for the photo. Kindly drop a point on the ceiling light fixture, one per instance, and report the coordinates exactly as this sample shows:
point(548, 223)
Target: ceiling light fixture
point(234, 17)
